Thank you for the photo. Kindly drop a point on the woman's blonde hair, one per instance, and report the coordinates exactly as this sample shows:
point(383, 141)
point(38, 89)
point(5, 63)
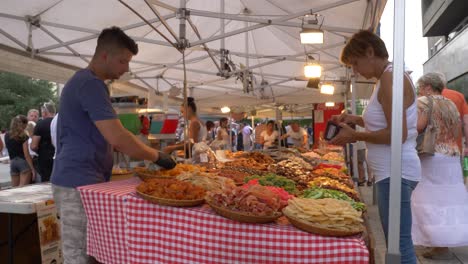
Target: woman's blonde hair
point(357, 46)
point(17, 127)
point(30, 128)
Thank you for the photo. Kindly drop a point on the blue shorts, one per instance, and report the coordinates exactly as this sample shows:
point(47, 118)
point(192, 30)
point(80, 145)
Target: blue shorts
point(18, 165)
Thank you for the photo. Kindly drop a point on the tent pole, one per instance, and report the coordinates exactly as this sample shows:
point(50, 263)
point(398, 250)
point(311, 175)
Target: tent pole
point(222, 26)
point(246, 47)
point(182, 43)
point(353, 111)
point(393, 252)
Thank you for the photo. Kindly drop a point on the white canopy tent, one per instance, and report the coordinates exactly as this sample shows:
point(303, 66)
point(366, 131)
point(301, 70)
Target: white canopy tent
point(50, 39)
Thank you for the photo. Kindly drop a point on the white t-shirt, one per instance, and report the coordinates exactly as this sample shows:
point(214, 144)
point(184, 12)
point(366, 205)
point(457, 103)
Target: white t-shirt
point(297, 137)
point(269, 139)
point(246, 132)
point(31, 152)
point(53, 133)
point(4, 152)
point(288, 140)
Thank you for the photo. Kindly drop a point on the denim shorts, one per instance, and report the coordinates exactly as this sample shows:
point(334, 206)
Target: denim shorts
point(18, 165)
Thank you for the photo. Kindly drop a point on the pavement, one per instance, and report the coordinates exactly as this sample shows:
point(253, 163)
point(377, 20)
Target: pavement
point(460, 254)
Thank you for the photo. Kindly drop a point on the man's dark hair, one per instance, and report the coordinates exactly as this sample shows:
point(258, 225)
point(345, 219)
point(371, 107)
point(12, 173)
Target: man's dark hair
point(115, 38)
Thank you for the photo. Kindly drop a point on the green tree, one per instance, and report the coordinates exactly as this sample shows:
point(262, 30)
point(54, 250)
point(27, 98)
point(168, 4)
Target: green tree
point(18, 94)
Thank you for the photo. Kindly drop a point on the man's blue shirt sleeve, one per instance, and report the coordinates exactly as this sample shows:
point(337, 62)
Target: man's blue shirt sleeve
point(95, 100)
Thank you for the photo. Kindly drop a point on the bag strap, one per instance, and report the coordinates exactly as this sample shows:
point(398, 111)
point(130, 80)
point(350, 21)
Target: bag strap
point(431, 106)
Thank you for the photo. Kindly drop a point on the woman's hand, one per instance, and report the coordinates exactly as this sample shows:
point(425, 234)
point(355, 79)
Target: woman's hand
point(168, 149)
point(348, 119)
point(346, 135)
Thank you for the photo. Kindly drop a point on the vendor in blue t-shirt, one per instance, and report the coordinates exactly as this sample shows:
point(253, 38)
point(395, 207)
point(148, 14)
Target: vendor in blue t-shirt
point(87, 129)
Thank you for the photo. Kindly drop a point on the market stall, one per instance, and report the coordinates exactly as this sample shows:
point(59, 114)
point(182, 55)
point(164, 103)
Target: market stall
point(125, 226)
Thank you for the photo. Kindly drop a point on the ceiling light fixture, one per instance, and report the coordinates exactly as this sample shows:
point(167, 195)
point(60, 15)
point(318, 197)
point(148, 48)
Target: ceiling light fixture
point(312, 70)
point(311, 36)
point(225, 109)
point(327, 89)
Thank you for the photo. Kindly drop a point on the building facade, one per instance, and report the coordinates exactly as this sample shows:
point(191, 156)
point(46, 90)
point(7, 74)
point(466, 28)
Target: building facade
point(445, 24)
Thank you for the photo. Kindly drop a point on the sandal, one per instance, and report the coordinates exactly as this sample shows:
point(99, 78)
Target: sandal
point(361, 183)
point(369, 183)
point(438, 254)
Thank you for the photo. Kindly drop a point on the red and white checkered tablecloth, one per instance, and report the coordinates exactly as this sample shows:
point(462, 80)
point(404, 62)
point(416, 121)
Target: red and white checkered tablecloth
point(123, 228)
point(103, 204)
point(160, 234)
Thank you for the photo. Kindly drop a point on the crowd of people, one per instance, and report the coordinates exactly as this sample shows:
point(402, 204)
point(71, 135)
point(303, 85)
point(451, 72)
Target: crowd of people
point(28, 144)
point(241, 136)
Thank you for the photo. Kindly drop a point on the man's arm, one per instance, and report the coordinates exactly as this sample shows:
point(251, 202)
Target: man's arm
point(124, 141)
point(304, 140)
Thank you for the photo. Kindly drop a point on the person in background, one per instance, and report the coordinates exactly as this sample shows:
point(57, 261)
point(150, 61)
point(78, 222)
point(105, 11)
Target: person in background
point(53, 133)
point(269, 136)
point(42, 144)
point(145, 125)
point(196, 131)
point(298, 135)
point(33, 115)
point(222, 133)
point(366, 53)
point(440, 201)
point(289, 141)
point(246, 136)
point(258, 135)
point(3, 151)
point(211, 135)
point(144, 130)
point(87, 129)
point(29, 154)
point(459, 100)
point(310, 134)
point(20, 171)
point(1, 144)
point(240, 138)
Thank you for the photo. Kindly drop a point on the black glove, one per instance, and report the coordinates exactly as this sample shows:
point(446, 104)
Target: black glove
point(166, 161)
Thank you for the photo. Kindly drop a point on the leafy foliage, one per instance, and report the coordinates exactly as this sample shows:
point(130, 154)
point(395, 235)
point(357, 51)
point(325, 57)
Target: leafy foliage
point(18, 94)
point(321, 193)
point(271, 179)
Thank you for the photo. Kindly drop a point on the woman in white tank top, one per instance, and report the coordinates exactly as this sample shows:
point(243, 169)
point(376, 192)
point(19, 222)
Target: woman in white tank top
point(197, 130)
point(366, 53)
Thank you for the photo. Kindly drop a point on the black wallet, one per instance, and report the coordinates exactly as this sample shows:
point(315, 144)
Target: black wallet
point(331, 131)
